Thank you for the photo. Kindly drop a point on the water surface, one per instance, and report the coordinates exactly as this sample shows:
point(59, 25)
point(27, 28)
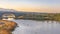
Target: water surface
point(37, 27)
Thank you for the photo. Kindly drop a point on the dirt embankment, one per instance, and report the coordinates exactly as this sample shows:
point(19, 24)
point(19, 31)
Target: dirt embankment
point(6, 27)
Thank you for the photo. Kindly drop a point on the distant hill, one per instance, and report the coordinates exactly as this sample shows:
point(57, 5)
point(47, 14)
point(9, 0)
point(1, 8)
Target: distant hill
point(7, 10)
point(17, 13)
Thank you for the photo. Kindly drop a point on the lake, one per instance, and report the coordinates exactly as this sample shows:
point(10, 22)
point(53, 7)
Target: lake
point(37, 27)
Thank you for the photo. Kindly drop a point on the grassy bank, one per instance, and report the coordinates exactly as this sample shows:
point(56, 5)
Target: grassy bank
point(6, 27)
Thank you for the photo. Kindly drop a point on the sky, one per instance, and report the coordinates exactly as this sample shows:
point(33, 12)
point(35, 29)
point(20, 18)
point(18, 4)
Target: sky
point(32, 5)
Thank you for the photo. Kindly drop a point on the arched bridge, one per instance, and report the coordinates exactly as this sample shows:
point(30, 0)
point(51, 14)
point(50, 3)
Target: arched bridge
point(8, 16)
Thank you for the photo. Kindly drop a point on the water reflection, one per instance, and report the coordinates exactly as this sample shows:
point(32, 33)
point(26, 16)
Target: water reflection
point(37, 27)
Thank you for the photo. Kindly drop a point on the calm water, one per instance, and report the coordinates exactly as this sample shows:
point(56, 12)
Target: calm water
point(37, 27)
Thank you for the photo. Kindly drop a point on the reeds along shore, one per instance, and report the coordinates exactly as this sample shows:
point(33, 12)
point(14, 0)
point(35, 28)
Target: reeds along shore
point(47, 16)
